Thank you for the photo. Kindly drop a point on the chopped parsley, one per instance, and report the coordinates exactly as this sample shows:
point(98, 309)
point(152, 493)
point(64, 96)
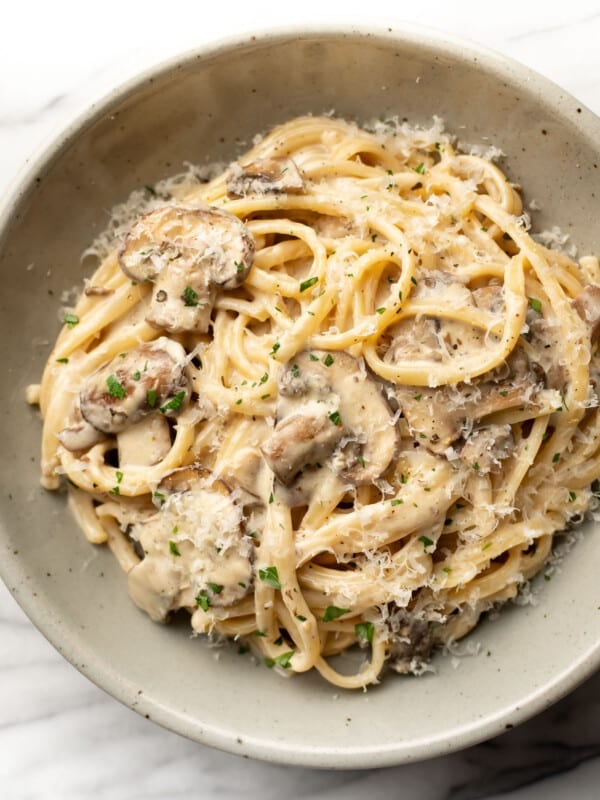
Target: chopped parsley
point(238, 402)
point(119, 476)
point(335, 418)
point(264, 378)
point(427, 542)
point(271, 498)
point(203, 600)
point(572, 497)
point(333, 612)
point(151, 397)
point(175, 403)
point(270, 576)
point(313, 357)
point(400, 294)
point(115, 388)
point(115, 490)
point(486, 545)
point(413, 280)
point(301, 617)
point(420, 168)
point(403, 478)
point(304, 285)
point(447, 570)
point(136, 375)
point(380, 310)
point(361, 460)
point(70, 320)
point(328, 360)
point(158, 495)
point(190, 297)
point(239, 267)
point(62, 360)
point(364, 630)
point(295, 370)
point(556, 458)
point(396, 502)
point(418, 397)
point(259, 633)
point(535, 304)
point(173, 549)
point(276, 347)
point(475, 466)
point(216, 588)
point(282, 660)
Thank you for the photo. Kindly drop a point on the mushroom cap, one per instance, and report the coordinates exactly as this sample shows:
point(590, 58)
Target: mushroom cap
point(330, 408)
point(264, 176)
point(151, 377)
point(189, 253)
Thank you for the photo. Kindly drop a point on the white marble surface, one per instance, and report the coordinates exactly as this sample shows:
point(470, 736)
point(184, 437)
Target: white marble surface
point(60, 736)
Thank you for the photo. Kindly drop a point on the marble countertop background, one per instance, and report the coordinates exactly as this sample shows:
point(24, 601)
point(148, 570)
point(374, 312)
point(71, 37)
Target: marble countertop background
point(60, 736)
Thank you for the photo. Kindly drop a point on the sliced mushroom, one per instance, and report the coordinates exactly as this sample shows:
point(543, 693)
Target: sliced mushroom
point(151, 377)
point(415, 339)
point(145, 443)
point(587, 305)
point(301, 439)
point(330, 410)
point(486, 448)
point(264, 176)
point(438, 417)
point(189, 254)
point(196, 552)
point(412, 643)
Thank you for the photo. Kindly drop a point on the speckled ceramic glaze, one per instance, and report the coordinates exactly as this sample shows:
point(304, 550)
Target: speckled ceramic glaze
point(204, 107)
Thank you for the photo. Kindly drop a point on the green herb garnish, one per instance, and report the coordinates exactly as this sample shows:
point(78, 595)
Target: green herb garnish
point(175, 403)
point(333, 612)
point(282, 660)
point(364, 630)
point(70, 320)
point(270, 576)
point(115, 388)
point(335, 418)
point(190, 297)
point(304, 285)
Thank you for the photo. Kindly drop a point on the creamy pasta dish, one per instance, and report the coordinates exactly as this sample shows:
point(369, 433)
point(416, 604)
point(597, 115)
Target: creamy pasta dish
point(336, 396)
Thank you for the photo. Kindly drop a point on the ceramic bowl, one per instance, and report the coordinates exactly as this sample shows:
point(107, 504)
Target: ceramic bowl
point(203, 107)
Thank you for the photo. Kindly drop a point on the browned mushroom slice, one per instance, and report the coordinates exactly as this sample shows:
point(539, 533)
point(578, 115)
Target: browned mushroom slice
point(587, 305)
point(487, 447)
point(412, 643)
point(189, 254)
point(330, 410)
point(151, 377)
point(438, 417)
point(264, 176)
point(196, 552)
point(300, 440)
point(415, 339)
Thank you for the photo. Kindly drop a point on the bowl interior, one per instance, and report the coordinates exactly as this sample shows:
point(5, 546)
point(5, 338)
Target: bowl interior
point(207, 107)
